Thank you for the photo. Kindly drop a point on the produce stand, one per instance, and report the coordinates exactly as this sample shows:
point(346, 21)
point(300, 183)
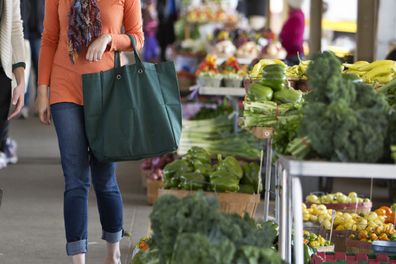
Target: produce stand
point(289, 194)
point(230, 92)
point(262, 133)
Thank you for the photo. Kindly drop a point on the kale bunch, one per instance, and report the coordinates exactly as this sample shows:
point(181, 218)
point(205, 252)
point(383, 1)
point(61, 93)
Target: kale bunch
point(344, 120)
point(192, 230)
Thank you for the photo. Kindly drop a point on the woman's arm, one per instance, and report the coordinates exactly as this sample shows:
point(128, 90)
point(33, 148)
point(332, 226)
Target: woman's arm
point(49, 41)
point(49, 44)
point(133, 26)
point(17, 41)
point(18, 59)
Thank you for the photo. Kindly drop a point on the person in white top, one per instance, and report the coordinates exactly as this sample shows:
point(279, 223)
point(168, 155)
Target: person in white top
point(12, 56)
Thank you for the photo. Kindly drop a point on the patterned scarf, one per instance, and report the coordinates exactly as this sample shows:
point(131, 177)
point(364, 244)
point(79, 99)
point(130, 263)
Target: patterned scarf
point(84, 26)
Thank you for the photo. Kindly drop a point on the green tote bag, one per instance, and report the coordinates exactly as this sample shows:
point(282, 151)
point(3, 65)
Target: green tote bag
point(132, 112)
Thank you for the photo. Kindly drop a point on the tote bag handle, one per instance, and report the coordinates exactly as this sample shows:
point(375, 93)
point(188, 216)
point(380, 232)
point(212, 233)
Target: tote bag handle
point(117, 62)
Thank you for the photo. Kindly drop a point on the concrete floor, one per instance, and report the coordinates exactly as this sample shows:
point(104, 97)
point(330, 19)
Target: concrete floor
point(31, 214)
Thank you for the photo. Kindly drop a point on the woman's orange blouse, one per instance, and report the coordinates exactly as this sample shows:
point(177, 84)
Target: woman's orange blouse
point(55, 67)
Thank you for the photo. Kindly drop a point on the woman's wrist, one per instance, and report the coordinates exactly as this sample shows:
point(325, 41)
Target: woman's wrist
point(42, 89)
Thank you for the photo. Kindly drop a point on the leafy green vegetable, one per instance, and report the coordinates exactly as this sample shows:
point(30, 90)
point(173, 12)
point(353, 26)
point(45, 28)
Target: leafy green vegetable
point(389, 91)
point(217, 137)
point(286, 131)
point(267, 114)
point(251, 178)
point(192, 230)
point(343, 120)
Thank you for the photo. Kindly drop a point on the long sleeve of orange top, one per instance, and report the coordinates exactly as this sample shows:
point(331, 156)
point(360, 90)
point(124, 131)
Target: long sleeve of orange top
point(133, 26)
point(49, 41)
point(132, 22)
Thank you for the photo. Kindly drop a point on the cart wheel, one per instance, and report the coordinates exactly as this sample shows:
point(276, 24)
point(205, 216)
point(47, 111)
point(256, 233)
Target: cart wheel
point(392, 190)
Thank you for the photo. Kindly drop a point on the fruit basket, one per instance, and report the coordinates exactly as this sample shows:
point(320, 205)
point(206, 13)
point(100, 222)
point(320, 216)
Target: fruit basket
point(209, 81)
point(350, 203)
point(338, 238)
point(239, 203)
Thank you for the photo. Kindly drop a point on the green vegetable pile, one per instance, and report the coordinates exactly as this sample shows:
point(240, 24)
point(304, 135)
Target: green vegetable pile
point(216, 135)
point(192, 230)
point(209, 113)
point(270, 101)
point(342, 120)
point(389, 90)
point(196, 172)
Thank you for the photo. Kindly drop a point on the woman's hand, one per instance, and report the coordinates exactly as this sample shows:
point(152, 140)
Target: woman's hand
point(98, 47)
point(42, 105)
point(18, 97)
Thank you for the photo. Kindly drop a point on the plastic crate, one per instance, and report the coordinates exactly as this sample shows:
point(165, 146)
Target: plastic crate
point(341, 257)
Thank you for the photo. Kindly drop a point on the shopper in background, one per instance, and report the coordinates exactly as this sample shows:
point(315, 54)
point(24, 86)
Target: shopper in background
point(33, 17)
point(150, 24)
point(292, 34)
point(12, 58)
point(80, 36)
point(167, 16)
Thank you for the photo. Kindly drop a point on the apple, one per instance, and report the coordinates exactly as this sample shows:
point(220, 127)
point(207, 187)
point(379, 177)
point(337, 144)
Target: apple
point(352, 195)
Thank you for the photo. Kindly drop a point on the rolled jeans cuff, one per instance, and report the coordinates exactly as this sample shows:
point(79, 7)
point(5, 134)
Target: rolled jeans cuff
point(76, 247)
point(112, 237)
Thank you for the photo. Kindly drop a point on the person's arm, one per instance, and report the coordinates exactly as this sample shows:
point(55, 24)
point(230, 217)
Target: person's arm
point(49, 44)
point(133, 26)
point(18, 59)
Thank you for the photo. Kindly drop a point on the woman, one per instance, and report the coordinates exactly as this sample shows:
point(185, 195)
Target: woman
point(12, 58)
point(292, 34)
point(80, 36)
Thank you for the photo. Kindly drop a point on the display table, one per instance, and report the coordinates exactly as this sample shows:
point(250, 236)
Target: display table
point(289, 194)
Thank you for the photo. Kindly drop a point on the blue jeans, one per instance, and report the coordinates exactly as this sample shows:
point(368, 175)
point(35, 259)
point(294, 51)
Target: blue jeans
point(77, 163)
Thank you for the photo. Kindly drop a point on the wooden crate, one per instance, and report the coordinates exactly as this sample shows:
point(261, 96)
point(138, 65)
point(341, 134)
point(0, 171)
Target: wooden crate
point(357, 246)
point(153, 188)
point(239, 203)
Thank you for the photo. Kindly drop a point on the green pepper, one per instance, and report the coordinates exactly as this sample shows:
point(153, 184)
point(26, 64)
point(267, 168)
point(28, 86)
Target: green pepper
point(203, 168)
point(192, 181)
point(274, 76)
point(171, 170)
point(246, 188)
point(224, 185)
point(232, 166)
point(197, 153)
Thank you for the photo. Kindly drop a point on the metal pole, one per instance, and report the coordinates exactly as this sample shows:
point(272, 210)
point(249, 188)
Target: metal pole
point(235, 106)
point(315, 27)
point(267, 187)
point(283, 225)
point(298, 221)
point(278, 179)
point(289, 216)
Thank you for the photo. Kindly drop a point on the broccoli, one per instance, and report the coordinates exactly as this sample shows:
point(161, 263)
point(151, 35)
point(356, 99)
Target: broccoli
point(343, 120)
point(192, 230)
